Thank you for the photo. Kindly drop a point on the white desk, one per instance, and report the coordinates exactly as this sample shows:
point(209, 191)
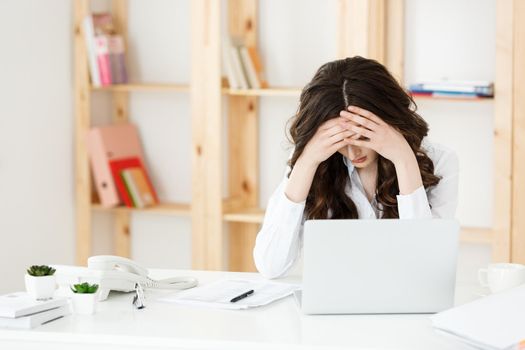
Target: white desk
point(118, 325)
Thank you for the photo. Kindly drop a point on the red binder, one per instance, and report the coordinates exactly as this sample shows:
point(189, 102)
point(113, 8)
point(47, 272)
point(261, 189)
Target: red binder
point(117, 166)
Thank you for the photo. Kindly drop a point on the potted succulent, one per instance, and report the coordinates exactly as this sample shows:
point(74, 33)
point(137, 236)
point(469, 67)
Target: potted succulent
point(40, 282)
point(85, 298)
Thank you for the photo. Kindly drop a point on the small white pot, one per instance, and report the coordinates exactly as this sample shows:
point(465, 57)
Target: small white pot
point(41, 287)
point(85, 304)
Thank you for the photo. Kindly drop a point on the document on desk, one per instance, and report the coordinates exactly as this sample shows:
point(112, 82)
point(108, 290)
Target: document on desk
point(493, 322)
point(219, 294)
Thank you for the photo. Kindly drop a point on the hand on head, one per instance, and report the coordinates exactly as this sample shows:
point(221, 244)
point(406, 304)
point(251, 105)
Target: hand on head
point(330, 137)
point(372, 132)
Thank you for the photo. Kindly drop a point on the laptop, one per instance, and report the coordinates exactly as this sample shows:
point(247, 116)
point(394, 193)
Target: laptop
point(385, 266)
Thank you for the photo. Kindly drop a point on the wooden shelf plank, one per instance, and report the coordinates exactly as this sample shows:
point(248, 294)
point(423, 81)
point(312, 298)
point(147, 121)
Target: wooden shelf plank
point(143, 87)
point(256, 216)
point(276, 91)
point(179, 209)
point(249, 215)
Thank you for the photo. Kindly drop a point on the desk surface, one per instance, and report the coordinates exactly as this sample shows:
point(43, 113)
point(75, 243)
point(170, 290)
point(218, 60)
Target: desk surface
point(277, 326)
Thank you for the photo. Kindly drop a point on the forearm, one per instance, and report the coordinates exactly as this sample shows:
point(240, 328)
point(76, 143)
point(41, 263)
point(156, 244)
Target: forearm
point(408, 174)
point(300, 180)
point(278, 242)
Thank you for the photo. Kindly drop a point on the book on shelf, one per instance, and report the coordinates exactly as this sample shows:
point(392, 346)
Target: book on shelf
point(449, 95)
point(249, 68)
point(102, 52)
point(139, 188)
point(105, 50)
point(118, 166)
point(20, 311)
point(238, 70)
point(89, 39)
point(454, 87)
point(258, 66)
point(117, 59)
point(242, 65)
point(106, 144)
point(228, 64)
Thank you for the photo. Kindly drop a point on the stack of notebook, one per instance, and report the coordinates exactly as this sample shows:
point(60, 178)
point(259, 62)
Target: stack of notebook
point(21, 311)
point(453, 89)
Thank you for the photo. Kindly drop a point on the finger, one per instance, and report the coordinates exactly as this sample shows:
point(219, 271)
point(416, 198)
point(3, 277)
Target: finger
point(367, 123)
point(338, 145)
point(362, 131)
point(330, 123)
point(341, 136)
point(334, 130)
point(347, 122)
point(367, 114)
point(341, 126)
point(359, 143)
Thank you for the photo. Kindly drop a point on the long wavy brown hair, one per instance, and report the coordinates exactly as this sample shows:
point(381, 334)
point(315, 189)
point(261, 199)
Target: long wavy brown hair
point(367, 84)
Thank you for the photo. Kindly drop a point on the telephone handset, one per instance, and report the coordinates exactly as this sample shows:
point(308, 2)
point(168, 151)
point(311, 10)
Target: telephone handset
point(119, 274)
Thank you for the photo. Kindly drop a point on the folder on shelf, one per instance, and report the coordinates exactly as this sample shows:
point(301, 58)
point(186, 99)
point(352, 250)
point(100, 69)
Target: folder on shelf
point(117, 167)
point(106, 144)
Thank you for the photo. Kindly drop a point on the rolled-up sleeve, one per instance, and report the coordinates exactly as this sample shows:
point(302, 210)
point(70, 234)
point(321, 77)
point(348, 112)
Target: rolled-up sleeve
point(279, 241)
point(439, 201)
point(414, 205)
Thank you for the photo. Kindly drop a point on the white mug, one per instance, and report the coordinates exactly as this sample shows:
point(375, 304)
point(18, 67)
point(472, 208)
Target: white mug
point(502, 276)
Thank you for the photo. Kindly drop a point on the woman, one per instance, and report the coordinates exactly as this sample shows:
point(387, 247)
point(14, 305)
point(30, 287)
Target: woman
point(359, 153)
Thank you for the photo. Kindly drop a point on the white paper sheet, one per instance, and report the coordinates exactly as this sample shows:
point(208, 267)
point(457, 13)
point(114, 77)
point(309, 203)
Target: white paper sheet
point(218, 294)
point(493, 322)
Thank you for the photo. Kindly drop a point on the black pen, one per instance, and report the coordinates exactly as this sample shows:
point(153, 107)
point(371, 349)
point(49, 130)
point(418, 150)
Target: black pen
point(242, 296)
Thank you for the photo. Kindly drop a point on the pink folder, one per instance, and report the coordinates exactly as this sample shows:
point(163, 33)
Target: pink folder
point(106, 144)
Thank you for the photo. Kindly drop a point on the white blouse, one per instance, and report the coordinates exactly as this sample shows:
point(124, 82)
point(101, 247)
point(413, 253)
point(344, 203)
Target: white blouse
point(280, 239)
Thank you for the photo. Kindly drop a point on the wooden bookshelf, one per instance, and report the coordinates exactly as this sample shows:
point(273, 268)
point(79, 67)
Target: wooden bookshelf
point(178, 209)
point(276, 91)
point(379, 34)
point(249, 215)
point(120, 97)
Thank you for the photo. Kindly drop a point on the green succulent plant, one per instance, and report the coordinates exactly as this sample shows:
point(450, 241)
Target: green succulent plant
point(40, 270)
point(84, 288)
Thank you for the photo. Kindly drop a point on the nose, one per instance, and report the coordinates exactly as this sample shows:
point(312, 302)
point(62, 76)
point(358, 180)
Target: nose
point(353, 152)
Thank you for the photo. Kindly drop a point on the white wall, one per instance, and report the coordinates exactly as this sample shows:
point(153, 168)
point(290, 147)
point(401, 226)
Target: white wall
point(451, 39)
point(36, 130)
point(36, 154)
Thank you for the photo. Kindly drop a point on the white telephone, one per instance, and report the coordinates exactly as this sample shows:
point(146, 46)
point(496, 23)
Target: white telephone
point(116, 273)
